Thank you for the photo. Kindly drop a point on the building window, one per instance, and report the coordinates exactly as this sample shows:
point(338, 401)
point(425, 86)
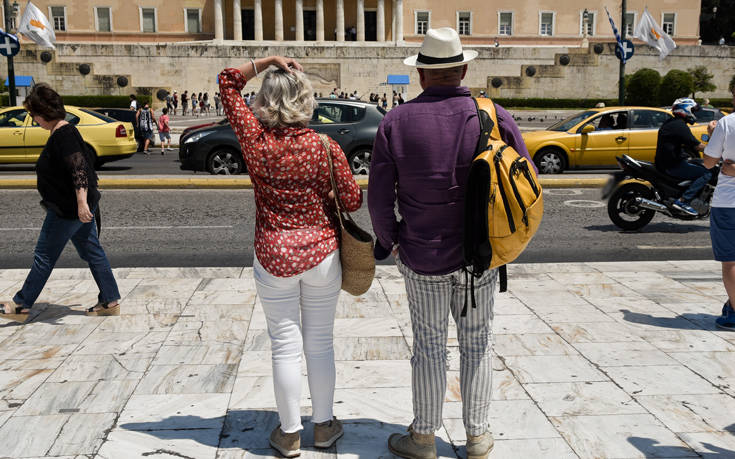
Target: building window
point(464, 22)
point(629, 24)
point(546, 21)
point(193, 20)
point(58, 17)
point(668, 23)
point(590, 23)
point(505, 23)
point(148, 20)
point(102, 19)
point(422, 22)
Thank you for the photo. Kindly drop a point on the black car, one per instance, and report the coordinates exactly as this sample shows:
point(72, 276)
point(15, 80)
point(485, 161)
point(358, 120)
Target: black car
point(353, 124)
point(126, 115)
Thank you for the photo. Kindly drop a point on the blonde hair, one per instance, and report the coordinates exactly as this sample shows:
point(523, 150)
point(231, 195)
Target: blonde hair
point(284, 99)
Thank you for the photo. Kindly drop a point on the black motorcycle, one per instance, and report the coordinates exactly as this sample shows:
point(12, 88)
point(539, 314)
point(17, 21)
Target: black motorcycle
point(640, 190)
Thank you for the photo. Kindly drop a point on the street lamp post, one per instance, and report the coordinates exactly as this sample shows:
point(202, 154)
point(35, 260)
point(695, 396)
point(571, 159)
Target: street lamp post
point(9, 15)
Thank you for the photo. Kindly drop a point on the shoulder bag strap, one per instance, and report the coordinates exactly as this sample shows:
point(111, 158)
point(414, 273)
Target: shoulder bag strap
point(325, 142)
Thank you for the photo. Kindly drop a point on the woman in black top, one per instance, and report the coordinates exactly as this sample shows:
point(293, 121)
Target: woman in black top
point(67, 183)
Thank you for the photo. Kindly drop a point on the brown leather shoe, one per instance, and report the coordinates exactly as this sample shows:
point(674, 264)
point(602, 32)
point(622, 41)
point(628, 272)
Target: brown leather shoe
point(413, 445)
point(288, 444)
point(327, 432)
point(479, 446)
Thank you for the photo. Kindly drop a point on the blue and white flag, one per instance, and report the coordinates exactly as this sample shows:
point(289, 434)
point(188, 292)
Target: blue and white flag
point(617, 34)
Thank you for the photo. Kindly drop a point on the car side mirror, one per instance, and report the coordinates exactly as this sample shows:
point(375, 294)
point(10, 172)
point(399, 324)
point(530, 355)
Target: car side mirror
point(587, 129)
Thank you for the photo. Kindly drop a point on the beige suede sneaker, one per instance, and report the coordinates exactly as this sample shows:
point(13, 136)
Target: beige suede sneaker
point(479, 446)
point(413, 445)
point(288, 444)
point(327, 432)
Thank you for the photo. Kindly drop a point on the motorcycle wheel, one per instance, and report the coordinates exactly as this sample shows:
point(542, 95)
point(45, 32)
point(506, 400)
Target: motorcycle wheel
point(623, 211)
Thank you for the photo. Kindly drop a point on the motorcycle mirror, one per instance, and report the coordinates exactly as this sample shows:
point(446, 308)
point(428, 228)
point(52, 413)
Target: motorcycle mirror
point(587, 129)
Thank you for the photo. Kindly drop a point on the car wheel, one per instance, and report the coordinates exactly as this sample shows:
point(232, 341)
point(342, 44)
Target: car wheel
point(98, 162)
point(360, 161)
point(550, 161)
point(623, 210)
point(224, 161)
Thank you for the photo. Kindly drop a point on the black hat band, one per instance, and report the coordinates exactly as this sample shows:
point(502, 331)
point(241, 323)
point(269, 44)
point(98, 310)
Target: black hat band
point(439, 60)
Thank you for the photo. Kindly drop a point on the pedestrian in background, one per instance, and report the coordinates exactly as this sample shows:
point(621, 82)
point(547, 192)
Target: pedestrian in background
point(217, 103)
point(205, 103)
point(384, 102)
point(176, 103)
point(169, 102)
point(200, 98)
point(194, 104)
point(67, 183)
point(133, 102)
point(184, 102)
point(146, 120)
point(440, 131)
point(164, 131)
point(296, 265)
point(722, 217)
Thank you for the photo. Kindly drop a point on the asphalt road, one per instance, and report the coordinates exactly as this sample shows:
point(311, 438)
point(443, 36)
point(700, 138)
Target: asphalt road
point(215, 228)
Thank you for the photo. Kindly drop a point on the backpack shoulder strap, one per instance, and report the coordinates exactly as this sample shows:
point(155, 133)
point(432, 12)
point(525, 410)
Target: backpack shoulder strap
point(488, 121)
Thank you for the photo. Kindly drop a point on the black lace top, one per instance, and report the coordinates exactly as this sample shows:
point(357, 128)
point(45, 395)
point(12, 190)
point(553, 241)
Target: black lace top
point(64, 166)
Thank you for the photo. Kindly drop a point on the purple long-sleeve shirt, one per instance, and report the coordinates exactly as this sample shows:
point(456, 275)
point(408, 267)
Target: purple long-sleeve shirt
point(422, 156)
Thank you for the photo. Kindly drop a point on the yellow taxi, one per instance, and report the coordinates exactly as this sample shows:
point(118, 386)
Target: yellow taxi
point(21, 139)
point(594, 137)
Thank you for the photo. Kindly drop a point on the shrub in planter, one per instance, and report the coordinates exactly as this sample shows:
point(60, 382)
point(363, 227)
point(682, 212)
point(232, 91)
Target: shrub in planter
point(642, 88)
point(675, 84)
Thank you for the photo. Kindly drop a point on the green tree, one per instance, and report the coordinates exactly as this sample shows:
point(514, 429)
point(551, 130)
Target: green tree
point(675, 84)
point(731, 87)
point(702, 79)
point(641, 88)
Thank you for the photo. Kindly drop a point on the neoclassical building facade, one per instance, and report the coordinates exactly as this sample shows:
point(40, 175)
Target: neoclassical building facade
point(510, 22)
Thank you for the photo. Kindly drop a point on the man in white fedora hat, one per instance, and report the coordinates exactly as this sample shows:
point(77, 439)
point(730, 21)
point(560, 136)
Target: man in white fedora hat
point(421, 158)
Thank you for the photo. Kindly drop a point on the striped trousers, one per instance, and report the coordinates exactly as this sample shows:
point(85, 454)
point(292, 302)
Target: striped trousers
point(430, 300)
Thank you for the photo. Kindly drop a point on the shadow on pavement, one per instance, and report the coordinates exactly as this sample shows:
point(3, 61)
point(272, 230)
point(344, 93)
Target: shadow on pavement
point(650, 448)
point(661, 227)
point(250, 430)
point(688, 321)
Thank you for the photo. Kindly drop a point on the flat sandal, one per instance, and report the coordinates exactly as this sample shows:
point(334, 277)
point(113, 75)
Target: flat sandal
point(106, 310)
point(17, 316)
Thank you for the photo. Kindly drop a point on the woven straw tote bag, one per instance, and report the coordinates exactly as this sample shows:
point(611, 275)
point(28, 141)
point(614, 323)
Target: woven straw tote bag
point(356, 244)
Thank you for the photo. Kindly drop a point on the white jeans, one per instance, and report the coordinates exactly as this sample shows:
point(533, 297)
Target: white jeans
point(300, 314)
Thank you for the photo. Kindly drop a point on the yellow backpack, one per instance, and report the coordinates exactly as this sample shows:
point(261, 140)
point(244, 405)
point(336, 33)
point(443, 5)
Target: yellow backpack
point(503, 205)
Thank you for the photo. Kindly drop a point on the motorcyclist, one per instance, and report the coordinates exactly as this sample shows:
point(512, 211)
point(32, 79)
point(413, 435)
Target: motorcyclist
point(671, 157)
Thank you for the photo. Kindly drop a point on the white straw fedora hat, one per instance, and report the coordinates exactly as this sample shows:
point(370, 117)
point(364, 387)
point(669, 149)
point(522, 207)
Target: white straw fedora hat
point(441, 49)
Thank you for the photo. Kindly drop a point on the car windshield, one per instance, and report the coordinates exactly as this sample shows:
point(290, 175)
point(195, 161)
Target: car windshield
point(104, 118)
point(568, 123)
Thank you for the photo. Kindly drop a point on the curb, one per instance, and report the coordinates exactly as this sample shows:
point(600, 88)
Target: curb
point(212, 182)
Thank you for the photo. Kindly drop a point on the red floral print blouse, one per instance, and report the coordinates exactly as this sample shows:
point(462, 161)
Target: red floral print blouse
point(295, 226)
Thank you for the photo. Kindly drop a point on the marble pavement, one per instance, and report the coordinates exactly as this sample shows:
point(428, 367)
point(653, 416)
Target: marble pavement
point(593, 360)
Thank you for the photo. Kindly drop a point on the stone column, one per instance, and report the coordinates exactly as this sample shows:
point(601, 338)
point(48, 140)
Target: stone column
point(219, 29)
point(279, 20)
point(360, 20)
point(340, 20)
point(299, 20)
point(319, 20)
point(381, 20)
point(236, 20)
point(258, 19)
point(398, 14)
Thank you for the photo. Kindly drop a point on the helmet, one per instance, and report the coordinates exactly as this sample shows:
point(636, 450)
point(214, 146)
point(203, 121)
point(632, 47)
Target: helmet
point(685, 108)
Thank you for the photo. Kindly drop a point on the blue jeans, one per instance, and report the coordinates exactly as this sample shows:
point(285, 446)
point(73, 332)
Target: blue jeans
point(686, 170)
point(55, 233)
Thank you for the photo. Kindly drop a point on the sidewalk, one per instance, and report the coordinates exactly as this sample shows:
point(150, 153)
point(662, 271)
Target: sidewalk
point(594, 360)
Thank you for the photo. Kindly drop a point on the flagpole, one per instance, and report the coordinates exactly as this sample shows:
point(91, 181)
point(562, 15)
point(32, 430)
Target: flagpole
point(11, 69)
point(621, 77)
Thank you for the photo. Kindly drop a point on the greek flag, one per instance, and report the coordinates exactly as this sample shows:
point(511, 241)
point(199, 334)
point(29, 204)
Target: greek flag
point(617, 34)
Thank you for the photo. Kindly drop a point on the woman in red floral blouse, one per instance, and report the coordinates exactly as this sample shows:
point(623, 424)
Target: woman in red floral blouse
point(296, 267)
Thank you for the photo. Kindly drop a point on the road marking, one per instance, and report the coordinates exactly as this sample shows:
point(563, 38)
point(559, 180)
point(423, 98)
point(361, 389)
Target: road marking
point(671, 247)
point(584, 203)
point(137, 227)
point(563, 191)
